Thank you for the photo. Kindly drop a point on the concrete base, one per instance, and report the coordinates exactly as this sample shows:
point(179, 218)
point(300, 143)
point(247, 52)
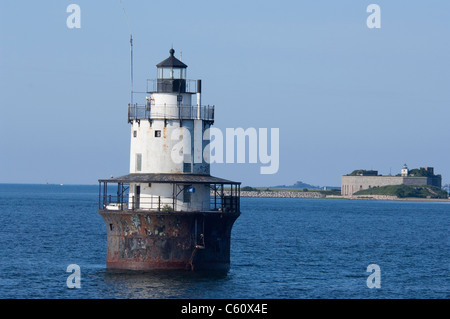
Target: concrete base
point(144, 240)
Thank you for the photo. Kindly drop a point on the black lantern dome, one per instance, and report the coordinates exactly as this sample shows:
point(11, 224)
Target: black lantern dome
point(171, 75)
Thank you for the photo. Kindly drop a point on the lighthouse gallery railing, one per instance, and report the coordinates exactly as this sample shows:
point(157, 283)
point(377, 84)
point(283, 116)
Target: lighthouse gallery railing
point(170, 112)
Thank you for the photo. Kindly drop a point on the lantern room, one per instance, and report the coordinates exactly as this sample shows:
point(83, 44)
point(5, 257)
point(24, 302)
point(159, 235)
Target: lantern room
point(171, 76)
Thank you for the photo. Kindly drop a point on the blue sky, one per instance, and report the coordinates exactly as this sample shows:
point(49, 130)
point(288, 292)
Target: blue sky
point(344, 96)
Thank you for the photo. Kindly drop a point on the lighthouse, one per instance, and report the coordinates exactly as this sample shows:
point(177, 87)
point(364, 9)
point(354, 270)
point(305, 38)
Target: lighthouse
point(169, 212)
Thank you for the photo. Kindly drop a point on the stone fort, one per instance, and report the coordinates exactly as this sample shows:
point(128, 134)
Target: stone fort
point(365, 179)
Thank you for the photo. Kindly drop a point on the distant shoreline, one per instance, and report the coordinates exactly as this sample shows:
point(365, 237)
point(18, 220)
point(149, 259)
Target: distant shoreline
point(313, 194)
point(289, 194)
point(406, 199)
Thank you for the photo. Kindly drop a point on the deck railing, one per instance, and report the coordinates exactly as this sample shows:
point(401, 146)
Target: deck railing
point(219, 200)
point(166, 204)
point(170, 112)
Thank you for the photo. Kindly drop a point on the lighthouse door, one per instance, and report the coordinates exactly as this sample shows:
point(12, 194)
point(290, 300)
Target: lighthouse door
point(137, 197)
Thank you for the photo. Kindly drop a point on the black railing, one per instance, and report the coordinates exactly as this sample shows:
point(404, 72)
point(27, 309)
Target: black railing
point(157, 203)
point(220, 200)
point(170, 112)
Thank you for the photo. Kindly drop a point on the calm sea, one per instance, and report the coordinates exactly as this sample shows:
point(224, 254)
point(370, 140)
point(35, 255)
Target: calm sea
point(281, 248)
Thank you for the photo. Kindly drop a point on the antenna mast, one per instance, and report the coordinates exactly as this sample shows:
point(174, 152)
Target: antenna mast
point(131, 54)
point(131, 67)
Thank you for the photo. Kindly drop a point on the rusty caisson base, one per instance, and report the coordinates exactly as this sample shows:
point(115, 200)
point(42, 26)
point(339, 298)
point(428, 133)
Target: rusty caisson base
point(143, 240)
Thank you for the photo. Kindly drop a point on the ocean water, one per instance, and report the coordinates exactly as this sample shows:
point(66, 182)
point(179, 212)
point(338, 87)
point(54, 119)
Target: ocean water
point(281, 248)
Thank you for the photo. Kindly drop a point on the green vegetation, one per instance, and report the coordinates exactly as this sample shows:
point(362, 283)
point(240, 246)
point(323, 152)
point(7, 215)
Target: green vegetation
point(297, 185)
point(363, 172)
point(167, 208)
point(249, 189)
point(420, 172)
point(403, 191)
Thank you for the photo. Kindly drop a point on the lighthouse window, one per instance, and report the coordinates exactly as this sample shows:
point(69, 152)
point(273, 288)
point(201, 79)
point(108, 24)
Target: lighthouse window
point(186, 195)
point(138, 162)
point(177, 73)
point(134, 133)
point(157, 133)
point(186, 167)
point(171, 73)
point(167, 73)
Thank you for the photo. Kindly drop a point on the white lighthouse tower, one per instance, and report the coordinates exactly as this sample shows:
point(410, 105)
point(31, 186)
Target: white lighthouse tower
point(167, 120)
point(169, 212)
point(405, 171)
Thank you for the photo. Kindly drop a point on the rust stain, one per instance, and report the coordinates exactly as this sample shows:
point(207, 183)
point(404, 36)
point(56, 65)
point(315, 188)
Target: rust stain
point(151, 240)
